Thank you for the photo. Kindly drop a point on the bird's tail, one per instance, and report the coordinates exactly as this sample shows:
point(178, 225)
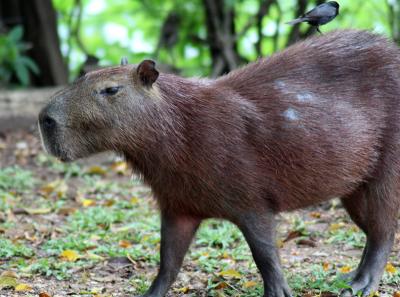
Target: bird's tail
point(295, 21)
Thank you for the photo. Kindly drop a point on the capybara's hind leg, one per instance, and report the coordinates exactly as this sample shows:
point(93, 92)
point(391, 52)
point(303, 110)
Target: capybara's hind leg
point(382, 209)
point(356, 206)
point(259, 231)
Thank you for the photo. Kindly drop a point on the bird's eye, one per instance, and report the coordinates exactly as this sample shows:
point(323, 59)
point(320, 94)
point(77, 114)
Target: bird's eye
point(110, 91)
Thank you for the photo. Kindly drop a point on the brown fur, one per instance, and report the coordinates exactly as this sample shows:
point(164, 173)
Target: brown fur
point(316, 121)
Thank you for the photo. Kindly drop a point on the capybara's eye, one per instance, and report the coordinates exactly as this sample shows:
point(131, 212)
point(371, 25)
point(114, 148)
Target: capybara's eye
point(110, 91)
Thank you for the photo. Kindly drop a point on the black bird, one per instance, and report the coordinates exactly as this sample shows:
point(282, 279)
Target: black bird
point(320, 15)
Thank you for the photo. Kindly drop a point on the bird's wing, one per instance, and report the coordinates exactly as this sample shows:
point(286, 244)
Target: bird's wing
point(321, 11)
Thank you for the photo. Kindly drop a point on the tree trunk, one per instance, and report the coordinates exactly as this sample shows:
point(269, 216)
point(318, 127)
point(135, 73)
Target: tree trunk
point(221, 36)
point(38, 19)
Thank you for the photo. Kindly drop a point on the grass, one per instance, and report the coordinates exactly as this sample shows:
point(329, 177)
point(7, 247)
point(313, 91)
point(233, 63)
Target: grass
point(96, 214)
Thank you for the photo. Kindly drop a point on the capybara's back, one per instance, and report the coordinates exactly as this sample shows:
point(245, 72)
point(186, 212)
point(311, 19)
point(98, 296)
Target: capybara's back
point(317, 121)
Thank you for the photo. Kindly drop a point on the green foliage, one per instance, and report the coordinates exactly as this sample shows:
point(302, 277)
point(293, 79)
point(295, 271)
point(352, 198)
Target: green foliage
point(13, 60)
point(15, 179)
point(112, 29)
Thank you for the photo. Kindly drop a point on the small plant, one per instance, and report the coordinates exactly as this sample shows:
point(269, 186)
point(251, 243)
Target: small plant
point(13, 61)
point(16, 179)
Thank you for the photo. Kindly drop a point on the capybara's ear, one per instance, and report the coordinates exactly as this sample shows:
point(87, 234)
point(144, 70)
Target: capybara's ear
point(147, 72)
point(124, 61)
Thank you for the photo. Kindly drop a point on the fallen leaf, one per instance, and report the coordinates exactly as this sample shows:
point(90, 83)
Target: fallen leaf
point(8, 273)
point(396, 294)
point(325, 266)
point(315, 214)
point(336, 226)
point(96, 170)
point(390, 268)
point(38, 211)
point(44, 294)
point(124, 244)
point(249, 284)
point(134, 200)
point(291, 235)
point(69, 255)
point(306, 242)
point(345, 269)
point(23, 288)
point(58, 186)
point(7, 282)
point(120, 167)
point(230, 273)
point(183, 290)
point(88, 202)
point(221, 285)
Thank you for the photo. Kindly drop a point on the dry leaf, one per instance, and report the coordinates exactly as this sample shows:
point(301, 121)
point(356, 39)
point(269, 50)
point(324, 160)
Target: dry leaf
point(221, 285)
point(96, 170)
point(345, 269)
point(7, 282)
point(390, 268)
point(230, 273)
point(44, 294)
point(120, 167)
point(396, 294)
point(88, 202)
point(124, 244)
point(183, 290)
point(23, 288)
point(69, 255)
point(58, 186)
point(249, 284)
point(315, 214)
point(325, 266)
point(38, 211)
point(8, 273)
point(336, 226)
point(134, 200)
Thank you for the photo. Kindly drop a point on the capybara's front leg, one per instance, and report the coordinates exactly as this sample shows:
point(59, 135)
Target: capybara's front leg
point(259, 231)
point(176, 235)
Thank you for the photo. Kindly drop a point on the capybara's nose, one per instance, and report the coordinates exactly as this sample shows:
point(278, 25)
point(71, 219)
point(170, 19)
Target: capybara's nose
point(47, 122)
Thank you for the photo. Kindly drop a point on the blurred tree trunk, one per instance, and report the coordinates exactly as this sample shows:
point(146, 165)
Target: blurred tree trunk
point(39, 21)
point(394, 19)
point(221, 36)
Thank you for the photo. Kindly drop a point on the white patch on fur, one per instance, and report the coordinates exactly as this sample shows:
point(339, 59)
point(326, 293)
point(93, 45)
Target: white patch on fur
point(280, 84)
point(291, 114)
point(305, 97)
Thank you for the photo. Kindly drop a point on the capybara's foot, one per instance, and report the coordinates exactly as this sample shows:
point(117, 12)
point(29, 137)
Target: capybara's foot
point(364, 284)
point(277, 290)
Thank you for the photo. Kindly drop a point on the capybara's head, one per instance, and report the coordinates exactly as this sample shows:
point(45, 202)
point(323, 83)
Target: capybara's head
point(98, 111)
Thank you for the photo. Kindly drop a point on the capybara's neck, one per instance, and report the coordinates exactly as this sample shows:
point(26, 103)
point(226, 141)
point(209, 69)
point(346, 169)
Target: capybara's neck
point(162, 140)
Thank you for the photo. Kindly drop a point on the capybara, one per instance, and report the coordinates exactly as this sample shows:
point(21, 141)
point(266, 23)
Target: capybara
point(318, 120)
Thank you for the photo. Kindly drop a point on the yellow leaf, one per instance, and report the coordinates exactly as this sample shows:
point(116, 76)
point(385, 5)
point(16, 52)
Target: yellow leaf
point(38, 211)
point(23, 288)
point(120, 167)
point(345, 269)
point(134, 200)
point(279, 243)
point(69, 255)
point(96, 170)
point(124, 244)
point(315, 214)
point(88, 202)
point(183, 290)
point(7, 282)
point(249, 284)
point(325, 266)
point(230, 273)
point(396, 294)
point(225, 255)
point(58, 186)
point(390, 268)
point(336, 226)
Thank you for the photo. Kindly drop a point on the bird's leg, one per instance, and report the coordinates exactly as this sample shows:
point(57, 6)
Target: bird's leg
point(319, 31)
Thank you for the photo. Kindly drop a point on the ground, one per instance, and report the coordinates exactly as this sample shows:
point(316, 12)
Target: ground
point(90, 228)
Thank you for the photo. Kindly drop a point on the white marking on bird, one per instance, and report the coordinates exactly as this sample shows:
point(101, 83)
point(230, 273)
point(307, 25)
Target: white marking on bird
point(291, 114)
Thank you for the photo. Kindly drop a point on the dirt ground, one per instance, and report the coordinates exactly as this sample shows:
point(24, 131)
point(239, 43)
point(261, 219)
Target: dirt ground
point(321, 237)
